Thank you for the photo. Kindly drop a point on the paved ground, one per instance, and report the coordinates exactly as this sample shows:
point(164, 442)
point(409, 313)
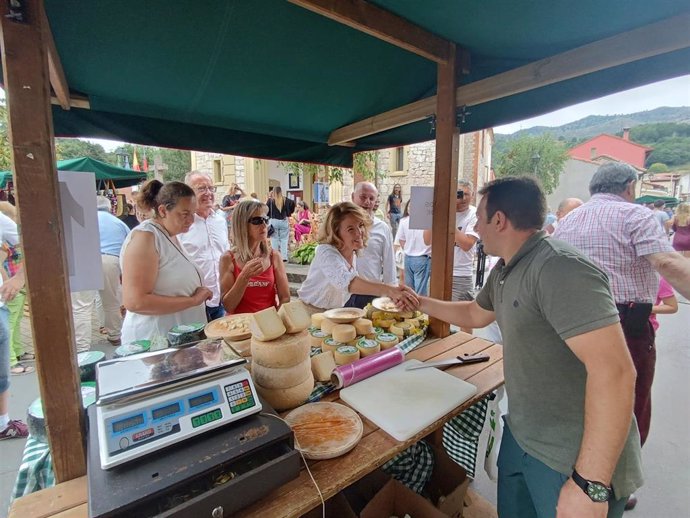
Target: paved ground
point(666, 454)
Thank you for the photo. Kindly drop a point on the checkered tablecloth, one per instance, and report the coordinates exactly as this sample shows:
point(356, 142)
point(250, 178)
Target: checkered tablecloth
point(36, 470)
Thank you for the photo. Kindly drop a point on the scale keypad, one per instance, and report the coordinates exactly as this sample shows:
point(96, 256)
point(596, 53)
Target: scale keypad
point(240, 396)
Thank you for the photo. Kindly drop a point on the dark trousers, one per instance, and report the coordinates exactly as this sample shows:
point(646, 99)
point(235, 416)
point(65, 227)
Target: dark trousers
point(643, 354)
point(214, 312)
point(359, 301)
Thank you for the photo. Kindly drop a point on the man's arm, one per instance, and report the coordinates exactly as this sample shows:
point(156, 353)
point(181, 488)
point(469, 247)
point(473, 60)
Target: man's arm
point(673, 267)
point(390, 274)
point(461, 314)
point(609, 397)
point(464, 241)
point(10, 288)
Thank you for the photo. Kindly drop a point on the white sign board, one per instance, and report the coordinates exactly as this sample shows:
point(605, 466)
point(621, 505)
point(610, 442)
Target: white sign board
point(80, 222)
point(421, 207)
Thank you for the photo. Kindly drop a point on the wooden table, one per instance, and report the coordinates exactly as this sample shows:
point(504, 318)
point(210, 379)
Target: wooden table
point(68, 500)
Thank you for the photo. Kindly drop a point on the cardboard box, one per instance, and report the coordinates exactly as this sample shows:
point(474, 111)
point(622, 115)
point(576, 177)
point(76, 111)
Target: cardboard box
point(397, 500)
point(448, 484)
point(336, 507)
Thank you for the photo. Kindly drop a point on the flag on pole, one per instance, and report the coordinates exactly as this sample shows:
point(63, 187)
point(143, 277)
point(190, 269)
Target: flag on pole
point(145, 161)
point(135, 161)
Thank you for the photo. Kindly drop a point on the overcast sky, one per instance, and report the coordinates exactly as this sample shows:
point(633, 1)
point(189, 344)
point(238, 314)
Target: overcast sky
point(673, 92)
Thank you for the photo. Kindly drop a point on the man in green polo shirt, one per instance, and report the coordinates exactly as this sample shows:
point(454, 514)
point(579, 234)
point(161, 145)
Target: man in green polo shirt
point(570, 446)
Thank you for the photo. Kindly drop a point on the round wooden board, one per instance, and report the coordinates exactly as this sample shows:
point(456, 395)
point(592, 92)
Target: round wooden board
point(325, 430)
point(344, 315)
point(220, 328)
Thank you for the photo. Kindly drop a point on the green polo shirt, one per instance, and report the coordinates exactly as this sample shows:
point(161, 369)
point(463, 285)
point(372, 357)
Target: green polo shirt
point(550, 292)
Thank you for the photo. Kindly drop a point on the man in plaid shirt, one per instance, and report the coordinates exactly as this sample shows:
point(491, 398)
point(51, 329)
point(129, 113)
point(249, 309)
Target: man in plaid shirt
point(626, 241)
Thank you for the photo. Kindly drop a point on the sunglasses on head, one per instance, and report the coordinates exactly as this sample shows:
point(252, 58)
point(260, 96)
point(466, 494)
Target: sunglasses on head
point(460, 195)
point(259, 220)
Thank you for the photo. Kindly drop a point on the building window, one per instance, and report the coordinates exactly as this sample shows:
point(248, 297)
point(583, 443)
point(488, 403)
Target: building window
point(217, 171)
point(398, 165)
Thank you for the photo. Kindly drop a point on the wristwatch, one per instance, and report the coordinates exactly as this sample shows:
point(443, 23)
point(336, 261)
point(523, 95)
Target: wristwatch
point(596, 491)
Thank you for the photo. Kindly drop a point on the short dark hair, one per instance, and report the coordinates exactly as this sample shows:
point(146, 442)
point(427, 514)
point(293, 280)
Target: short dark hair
point(155, 193)
point(659, 203)
point(520, 198)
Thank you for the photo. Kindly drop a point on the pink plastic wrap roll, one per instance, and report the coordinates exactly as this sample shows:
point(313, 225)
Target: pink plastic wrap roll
point(346, 375)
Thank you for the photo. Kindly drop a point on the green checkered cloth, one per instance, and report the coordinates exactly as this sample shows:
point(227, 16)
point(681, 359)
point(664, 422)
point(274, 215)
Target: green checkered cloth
point(413, 466)
point(461, 435)
point(36, 470)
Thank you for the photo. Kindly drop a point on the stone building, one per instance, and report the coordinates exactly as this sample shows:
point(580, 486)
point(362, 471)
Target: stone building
point(408, 166)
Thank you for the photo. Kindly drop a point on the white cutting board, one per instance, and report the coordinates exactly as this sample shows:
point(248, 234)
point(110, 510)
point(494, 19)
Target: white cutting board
point(402, 403)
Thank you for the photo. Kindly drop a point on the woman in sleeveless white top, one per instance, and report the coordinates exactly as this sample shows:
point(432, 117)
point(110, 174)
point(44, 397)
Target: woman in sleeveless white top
point(177, 277)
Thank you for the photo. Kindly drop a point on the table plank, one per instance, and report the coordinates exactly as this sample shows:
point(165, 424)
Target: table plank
point(51, 501)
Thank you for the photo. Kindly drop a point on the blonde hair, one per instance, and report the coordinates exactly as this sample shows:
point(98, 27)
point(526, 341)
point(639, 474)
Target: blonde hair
point(328, 232)
point(682, 217)
point(8, 210)
point(245, 210)
point(278, 199)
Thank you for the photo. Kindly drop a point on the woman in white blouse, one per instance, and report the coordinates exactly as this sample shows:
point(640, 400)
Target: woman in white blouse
point(332, 276)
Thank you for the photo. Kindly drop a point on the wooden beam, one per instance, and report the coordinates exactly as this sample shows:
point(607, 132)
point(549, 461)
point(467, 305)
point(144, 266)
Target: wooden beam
point(651, 40)
point(381, 24)
point(74, 102)
point(57, 74)
point(25, 70)
point(445, 174)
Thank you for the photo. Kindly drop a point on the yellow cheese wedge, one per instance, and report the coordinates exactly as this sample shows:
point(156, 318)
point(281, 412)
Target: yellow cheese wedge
point(322, 365)
point(266, 325)
point(294, 316)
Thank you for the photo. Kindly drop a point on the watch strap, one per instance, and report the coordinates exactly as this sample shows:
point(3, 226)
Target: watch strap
point(583, 483)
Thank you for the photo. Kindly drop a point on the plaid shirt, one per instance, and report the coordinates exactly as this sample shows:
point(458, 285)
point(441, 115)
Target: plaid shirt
point(616, 235)
point(14, 259)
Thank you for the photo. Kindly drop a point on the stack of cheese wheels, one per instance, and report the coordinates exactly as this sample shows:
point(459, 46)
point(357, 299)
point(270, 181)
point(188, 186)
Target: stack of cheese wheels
point(281, 368)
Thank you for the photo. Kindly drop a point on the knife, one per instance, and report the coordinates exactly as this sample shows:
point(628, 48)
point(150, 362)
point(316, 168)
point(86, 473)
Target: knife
point(458, 360)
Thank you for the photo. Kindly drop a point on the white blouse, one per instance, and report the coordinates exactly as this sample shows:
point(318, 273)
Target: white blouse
point(329, 277)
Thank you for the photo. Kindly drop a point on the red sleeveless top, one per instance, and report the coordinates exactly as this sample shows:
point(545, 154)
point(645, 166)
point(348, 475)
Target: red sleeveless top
point(260, 292)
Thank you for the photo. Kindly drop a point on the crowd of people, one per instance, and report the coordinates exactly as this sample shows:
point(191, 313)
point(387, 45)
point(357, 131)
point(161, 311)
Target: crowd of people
point(575, 298)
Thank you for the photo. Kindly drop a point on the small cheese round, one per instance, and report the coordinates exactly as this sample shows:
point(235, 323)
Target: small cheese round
point(414, 322)
point(327, 326)
point(363, 326)
point(367, 347)
point(286, 351)
point(272, 378)
point(331, 344)
point(346, 354)
point(344, 333)
point(397, 331)
point(387, 340)
point(317, 319)
point(317, 337)
point(287, 398)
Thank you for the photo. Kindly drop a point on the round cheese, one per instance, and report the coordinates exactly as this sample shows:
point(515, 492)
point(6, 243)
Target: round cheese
point(316, 337)
point(363, 326)
point(331, 344)
point(272, 378)
point(344, 333)
point(397, 331)
point(387, 340)
point(367, 347)
point(317, 319)
point(287, 398)
point(346, 354)
point(286, 351)
point(327, 326)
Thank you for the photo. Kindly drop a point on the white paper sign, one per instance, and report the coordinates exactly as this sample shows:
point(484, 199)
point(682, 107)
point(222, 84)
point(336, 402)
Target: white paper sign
point(80, 222)
point(421, 207)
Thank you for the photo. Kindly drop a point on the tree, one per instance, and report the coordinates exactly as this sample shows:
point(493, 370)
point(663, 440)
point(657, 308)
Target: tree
point(542, 156)
point(5, 152)
point(66, 148)
point(657, 167)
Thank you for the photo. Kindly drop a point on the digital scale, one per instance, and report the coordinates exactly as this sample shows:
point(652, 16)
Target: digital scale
point(153, 400)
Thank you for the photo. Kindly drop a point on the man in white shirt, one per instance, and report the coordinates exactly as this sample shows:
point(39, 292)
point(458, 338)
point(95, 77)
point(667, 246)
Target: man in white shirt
point(376, 261)
point(207, 239)
point(417, 255)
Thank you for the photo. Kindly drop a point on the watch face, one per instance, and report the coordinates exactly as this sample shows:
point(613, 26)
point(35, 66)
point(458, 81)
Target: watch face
point(598, 492)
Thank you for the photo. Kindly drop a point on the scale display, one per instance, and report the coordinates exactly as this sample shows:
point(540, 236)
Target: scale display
point(133, 428)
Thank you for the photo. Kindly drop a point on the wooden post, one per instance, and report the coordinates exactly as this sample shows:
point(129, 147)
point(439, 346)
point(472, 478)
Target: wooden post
point(445, 182)
point(25, 68)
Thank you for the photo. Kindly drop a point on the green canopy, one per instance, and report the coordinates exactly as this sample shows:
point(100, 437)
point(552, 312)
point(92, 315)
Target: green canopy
point(119, 175)
point(270, 79)
point(669, 200)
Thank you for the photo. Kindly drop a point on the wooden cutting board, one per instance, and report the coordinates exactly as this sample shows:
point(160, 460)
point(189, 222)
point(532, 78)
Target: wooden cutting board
point(325, 430)
point(229, 327)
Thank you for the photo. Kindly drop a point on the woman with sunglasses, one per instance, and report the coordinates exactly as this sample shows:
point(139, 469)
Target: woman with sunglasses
point(252, 277)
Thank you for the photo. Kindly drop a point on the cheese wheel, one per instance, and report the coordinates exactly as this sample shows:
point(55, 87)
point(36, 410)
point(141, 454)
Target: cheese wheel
point(331, 344)
point(346, 354)
point(344, 333)
point(294, 316)
point(272, 378)
point(397, 331)
point(317, 337)
point(286, 351)
point(322, 365)
point(287, 398)
point(327, 326)
point(266, 325)
point(241, 347)
point(363, 326)
point(367, 347)
point(317, 319)
point(387, 340)
point(414, 322)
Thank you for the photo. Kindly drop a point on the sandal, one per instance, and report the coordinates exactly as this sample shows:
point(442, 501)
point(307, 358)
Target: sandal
point(21, 369)
point(27, 357)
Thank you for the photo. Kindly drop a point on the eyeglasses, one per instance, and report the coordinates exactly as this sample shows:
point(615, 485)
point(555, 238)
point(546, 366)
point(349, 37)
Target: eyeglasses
point(259, 220)
point(460, 195)
point(205, 188)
